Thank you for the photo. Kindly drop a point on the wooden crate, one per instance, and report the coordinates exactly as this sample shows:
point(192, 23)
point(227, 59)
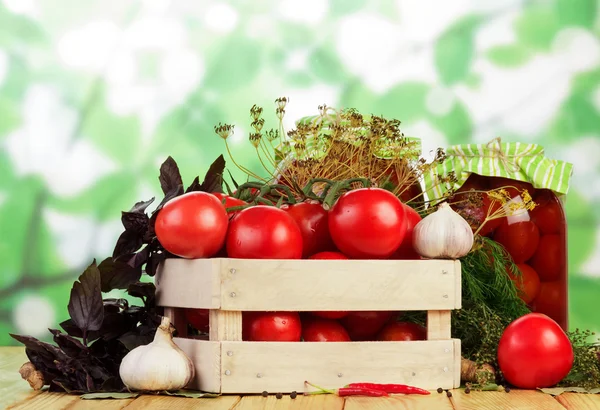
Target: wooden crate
point(226, 364)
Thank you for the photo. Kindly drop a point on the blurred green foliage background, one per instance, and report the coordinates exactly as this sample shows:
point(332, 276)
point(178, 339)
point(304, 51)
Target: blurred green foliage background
point(95, 94)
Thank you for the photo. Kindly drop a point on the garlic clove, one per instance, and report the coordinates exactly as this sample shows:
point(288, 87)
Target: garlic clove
point(443, 234)
point(157, 366)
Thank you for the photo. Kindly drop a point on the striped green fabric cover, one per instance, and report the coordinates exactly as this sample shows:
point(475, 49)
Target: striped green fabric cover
point(514, 160)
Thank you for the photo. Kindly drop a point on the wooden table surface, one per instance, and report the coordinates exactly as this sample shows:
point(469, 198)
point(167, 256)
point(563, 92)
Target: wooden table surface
point(15, 393)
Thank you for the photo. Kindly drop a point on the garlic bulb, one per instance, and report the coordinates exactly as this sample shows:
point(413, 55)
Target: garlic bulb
point(157, 366)
point(443, 234)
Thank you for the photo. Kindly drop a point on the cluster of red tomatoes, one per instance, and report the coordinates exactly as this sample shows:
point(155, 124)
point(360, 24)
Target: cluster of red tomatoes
point(366, 223)
point(318, 326)
point(535, 241)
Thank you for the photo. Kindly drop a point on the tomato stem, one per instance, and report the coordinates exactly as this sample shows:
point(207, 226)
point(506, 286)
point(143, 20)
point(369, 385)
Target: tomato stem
point(337, 187)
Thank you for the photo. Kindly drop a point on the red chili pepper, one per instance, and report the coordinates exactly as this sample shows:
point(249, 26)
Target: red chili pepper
point(355, 391)
point(347, 391)
point(390, 388)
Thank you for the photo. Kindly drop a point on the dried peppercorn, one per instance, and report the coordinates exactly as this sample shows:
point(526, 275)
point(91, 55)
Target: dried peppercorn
point(467, 390)
point(448, 393)
point(507, 389)
point(293, 395)
point(440, 390)
point(265, 393)
point(279, 396)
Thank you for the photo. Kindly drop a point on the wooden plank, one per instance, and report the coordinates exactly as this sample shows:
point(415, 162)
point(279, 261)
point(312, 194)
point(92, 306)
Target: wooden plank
point(434, 401)
point(225, 325)
point(189, 283)
point(254, 367)
point(111, 404)
point(578, 401)
point(516, 399)
point(166, 402)
point(438, 324)
point(45, 400)
point(206, 357)
point(457, 361)
point(178, 320)
point(457, 285)
point(327, 402)
point(13, 388)
point(262, 285)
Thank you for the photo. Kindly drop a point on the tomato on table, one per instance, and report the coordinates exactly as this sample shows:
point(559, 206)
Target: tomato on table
point(323, 330)
point(264, 232)
point(534, 352)
point(548, 215)
point(528, 284)
point(365, 325)
point(406, 249)
point(198, 318)
point(367, 223)
point(312, 219)
point(402, 331)
point(192, 225)
point(271, 326)
point(520, 239)
point(549, 260)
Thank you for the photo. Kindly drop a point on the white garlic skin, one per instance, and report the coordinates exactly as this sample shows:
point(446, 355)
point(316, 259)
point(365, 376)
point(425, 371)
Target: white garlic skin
point(444, 234)
point(160, 365)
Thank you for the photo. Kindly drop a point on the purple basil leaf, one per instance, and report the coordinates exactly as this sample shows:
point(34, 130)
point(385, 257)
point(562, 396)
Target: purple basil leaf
point(45, 350)
point(68, 344)
point(115, 274)
point(170, 177)
point(156, 255)
point(131, 340)
point(142, 290)
point(213, 181)
point(111, 303)
point(134, 221)
point(140, 207)
point(194, 186)
point(85, 304)
point(140, 258)
point(129, 242)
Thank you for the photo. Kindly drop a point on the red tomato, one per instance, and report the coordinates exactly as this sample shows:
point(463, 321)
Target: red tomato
point(534, 352)
point(272, 327)
point(549, 260)
point(264, 232)
point(548, 215)
point(365, 325)
point(198, 318)
point(192, 225)
point(402, 331)
point(328, 255)
point(229, 201)
point(528, 283)
point(513, 187)
point(475, 182)
point(552, 301)
point(330, 314)
point(312, 220)
point(490, 208)
point(406, 250)
point(324, 330)
point(520, 239)
point(367, 223)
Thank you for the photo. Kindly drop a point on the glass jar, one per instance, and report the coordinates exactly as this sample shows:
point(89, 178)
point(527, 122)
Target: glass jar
point(536, 240)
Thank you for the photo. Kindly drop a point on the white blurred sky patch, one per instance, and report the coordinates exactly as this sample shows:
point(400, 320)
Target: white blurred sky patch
point(221, 18)
point(33, 315)
point(431, 138)
point(3, 66)
point(43, 144)
point(592, 266)
point(304, 102)
point(28, 8)
point(309, 12)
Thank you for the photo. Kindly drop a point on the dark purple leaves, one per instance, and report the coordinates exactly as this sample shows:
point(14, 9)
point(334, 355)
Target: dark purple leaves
point(115, 274)
point(85, 305)
point(170, 177)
